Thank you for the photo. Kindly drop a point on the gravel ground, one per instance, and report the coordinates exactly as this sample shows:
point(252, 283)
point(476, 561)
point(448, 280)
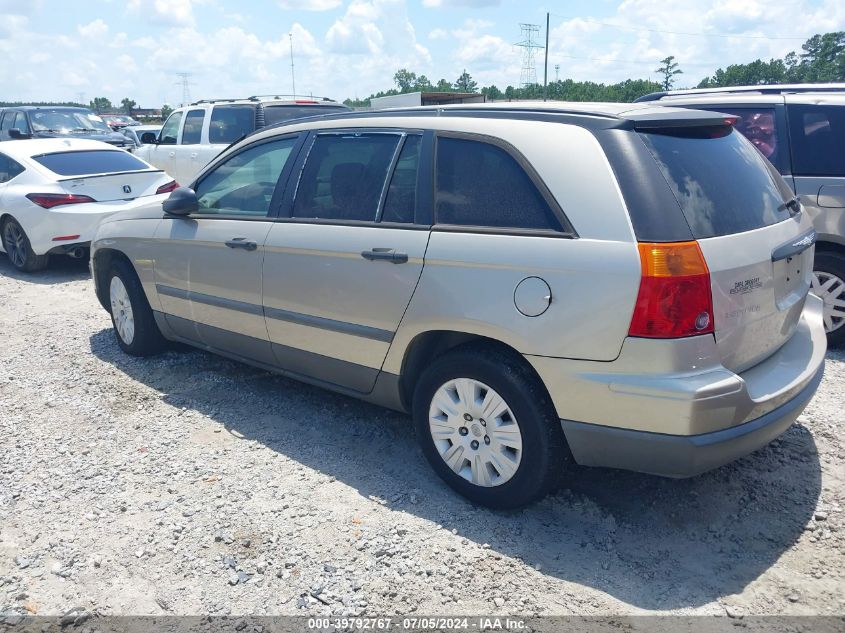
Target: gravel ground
point(189, 484)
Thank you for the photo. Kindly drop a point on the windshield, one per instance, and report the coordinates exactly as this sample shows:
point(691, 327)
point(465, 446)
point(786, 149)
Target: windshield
point(67, 121)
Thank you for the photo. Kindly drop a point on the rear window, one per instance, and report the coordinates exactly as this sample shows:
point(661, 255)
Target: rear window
point(230, 123)
point(720, 180)
point(282, 113)
point(817, 133)
point(91, 162)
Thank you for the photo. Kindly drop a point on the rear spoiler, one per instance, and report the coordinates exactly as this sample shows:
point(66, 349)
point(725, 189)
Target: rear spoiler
point(111, 173)
point(662, 117)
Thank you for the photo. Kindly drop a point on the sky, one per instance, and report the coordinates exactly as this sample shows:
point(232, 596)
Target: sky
point(61, 50)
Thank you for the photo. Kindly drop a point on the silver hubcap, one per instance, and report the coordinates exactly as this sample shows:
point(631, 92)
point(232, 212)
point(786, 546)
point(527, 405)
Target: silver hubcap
point(14, 241)
point(121, 310)
point(475, 432)
point(830, 289)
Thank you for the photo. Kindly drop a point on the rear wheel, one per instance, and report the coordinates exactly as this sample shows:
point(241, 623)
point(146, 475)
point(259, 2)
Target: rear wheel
point(131, 315)
point(19, 250)
point(487, 427)
point(829, 286)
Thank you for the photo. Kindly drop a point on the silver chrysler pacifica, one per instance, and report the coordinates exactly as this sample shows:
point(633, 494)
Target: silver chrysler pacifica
point(620, 285)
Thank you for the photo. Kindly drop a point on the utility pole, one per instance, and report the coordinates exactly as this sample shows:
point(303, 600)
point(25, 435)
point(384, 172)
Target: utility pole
point(292, 75)
point(546, 64)
point(530, 35)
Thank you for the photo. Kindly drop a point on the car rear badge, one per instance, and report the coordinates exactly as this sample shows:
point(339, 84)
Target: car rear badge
point(127, 189)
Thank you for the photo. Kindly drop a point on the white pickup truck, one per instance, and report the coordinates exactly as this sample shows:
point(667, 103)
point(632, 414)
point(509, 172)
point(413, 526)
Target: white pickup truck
point(193, 135)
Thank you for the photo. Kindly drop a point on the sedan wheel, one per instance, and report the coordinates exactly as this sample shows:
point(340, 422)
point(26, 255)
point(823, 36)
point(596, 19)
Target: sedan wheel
point(830, 289)
point(475, 432)
point(121, 309)
point(14, 242)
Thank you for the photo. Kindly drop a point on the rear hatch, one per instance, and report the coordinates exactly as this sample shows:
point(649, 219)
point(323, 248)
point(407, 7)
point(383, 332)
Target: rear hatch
point(104, 175)
point(755, 240)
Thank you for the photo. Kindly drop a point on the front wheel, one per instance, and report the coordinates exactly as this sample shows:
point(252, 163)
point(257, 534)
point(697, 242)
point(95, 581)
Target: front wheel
point(487, 427)
point(19, 249)
point(131, 315)
point(829, 286)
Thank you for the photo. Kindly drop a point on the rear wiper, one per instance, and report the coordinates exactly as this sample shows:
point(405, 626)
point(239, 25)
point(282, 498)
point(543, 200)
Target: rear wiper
point(793, 204)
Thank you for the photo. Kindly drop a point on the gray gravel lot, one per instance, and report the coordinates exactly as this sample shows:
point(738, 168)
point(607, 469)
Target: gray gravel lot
point(189, 484)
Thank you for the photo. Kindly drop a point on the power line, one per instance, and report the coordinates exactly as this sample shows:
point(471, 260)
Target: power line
point(530, 35)
point(721, 35)
point(636, 61)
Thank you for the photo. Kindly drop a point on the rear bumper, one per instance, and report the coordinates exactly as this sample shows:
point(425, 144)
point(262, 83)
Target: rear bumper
point(678, 455)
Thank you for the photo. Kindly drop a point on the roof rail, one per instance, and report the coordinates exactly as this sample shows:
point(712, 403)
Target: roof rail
point(763, 89)
point(285, 97)
point(201, 101)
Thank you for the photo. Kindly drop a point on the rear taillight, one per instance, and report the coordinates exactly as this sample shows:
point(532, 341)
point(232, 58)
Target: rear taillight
point(167, 188)
point(50, 200)
point(675, 298)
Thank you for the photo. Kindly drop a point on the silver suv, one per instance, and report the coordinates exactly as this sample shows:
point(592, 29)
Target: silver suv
point(618, 285)
point(800, 128)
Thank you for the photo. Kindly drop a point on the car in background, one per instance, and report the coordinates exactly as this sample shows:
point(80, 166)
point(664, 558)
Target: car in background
point(135, 132)
point(118, 121)
point(641, 297)
point(800, 128)
point(55, 192)
point(195, 134)
point(26, 122)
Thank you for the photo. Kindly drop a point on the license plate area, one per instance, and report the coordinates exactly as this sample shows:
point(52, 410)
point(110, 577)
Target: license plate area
point(793, 276)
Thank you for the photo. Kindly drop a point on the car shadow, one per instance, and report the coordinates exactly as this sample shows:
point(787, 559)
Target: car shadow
point(60, 269)
point(689, 541)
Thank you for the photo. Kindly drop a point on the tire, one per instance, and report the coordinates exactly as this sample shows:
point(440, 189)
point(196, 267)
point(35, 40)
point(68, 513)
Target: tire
point(19, 250)
point(530, 472)
point(829, 285)
point(132, 318)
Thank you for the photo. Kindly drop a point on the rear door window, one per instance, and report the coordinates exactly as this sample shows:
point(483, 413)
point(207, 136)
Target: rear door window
point(170, 131)
point(344, 176)
point(817, 136)
point(480, 184)
point(90, 162)
point(720, 180)
point(230, 123)
point(8, 121)
point(401, 202)
point(192, 132)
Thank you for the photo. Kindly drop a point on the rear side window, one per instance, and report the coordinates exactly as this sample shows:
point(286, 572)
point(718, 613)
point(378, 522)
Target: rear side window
point(192, 132)
point(479, 184)
point(90, 162)
point(401, 202)
point(282, 113)
point(344, 176)
point(230, 123)
point(9, 168)
point(720, 180)
point(171, 129)
point(817, 134)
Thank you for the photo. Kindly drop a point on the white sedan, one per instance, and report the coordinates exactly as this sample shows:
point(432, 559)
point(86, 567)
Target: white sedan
point(55, 192)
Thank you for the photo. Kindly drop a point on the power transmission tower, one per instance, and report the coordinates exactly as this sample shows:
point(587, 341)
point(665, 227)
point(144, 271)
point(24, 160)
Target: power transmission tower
point(530, 44)
point(80, 98)
point(186, 83)
point(557, 72)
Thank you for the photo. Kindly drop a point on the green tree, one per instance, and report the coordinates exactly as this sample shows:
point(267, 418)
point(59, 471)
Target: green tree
point(444, 86)
point(166, 111)
point(465, 83)
point(100, 104)
point(405, 80)
point(669, 70)
point(422, 84)
point(128, 105)
point(492, 93)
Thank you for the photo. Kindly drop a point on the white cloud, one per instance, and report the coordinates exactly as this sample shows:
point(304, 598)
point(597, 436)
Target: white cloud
point(95, 29)
point(166, 12)
point(471, 4)
point(310, 5)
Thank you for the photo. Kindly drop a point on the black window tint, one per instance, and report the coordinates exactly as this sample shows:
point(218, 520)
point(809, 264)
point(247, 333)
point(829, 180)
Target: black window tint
point(21, 123)
point(401, 201)
point(479, 184)
point(721, 182)
point(344, 176)
point(192, 132)
point(170, 131)
point(90, 162)
point(280, 113)
point(817, 133)
point(244, 184)
point(231, 122)
point(9, 168)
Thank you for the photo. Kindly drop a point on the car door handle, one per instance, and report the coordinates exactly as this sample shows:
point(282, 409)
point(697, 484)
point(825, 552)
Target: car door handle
point(193, 154)
point(241, 242)
point(385, 254)
point(172, 154)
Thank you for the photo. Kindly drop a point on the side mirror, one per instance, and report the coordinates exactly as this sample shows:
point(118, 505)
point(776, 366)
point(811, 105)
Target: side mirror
point(149, 138)
point(16, 134)
point(183, 201)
